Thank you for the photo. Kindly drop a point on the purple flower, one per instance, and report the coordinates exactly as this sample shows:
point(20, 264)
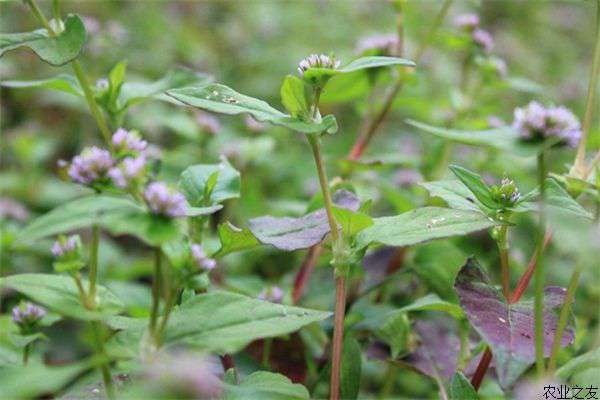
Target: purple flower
point(165, 201)
point(27, 313)
point(317, 61)
point(128, 141)
point(129, 170)
point(64, 246)
point(208, 123)
point(200, 258)
point(91, 165)
point(483, 39)
point(10, 208)
point(383, 44)
point(274, 294)
point(193, 375)
point(467, 21)
point(537, 122)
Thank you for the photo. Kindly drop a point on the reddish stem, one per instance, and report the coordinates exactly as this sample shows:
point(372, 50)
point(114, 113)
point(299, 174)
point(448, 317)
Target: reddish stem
point(303, 276)
point(338, 337)
point(486, 359)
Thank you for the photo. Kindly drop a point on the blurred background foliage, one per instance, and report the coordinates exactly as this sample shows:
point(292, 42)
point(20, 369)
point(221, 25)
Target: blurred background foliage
point(251, 46)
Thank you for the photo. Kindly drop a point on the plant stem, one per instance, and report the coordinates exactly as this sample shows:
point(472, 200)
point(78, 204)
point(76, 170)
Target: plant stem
point(303, 275)
point(26, 353)
point(56, 9)
point(579, 165)
point(338, 336)
point(79, 74)
point(93, 264)
point(503, 250)
point(266, 353)
point(369, 129)
point(172, 300)
point(82, 295)
point(106, 377)
point(389, 382)
point(565, 312)
point(156, 281)
point(482, 368)
point(539, 273)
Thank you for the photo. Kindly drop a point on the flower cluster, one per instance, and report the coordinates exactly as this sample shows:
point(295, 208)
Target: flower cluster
point(536, 122)
point(481, 37)
point(378, 45)
point(274, 294)
point(317, 61)
point(65, 246)
point(165, 201)
point(124, 141)
point(27, 314)
point(507, 193)
point(67, 254)
point(200, 258)
point(90, 166)
point(128, 171)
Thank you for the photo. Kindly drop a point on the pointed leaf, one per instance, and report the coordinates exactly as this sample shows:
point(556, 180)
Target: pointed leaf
point(267, 386)
point(454, 193)
point(56, 50)
point(59, 293)
point(507, 328)
point(421, 225)
point(432, 302)
point(234, 239)
point(350, 369)
point(194, 183)
point(295, 97)
point(461, 388)
point(222, 99)
point(63, 83)
point(560, 200)
point(315, 75)
point(505, 138)
point(476, 185)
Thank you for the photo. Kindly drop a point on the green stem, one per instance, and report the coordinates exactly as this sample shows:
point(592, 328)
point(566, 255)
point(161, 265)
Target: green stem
point(266, 353)
point(563, 319)
point(82, 296)
point(26, 350)
point(539, 273)
point(37, 13)
point(56, 9)
point(464, 352)
point(171, 301)
point(156, 279)
point(94, 264)
point(503, 250)
point(579, 165)
point(390, 381)
point(106, 377)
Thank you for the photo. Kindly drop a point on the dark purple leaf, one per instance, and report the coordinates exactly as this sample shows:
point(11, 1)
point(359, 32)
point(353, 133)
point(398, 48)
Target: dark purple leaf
point(290, 234)
point(437, 356)
point(507, 328)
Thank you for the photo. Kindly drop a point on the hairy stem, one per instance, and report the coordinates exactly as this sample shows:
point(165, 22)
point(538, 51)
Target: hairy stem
point(26, 350)
point(106, 377)
point(93, 275)
point(540, 273)
point(83, 298)
point(266, 353)
point(503, 250)
point(563, 319)
point(579, 165)
point(482, 368)
point(338, 336)
point(39, 15)
point(156, 282)
point(171, 301)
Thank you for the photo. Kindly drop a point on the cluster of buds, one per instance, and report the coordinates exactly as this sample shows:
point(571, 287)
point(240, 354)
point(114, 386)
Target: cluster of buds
point(470, 24)
point(274, 294)
point(507, 193)
point(91, 166)
point(26, 315)
point(378, 45)
point(317, 61)
point(162, 200)
point(201, 260)
point(127, 142)
point(536, 122)
point(67, 253)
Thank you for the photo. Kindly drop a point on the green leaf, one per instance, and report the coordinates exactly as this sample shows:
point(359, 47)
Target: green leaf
point(432, 302)
point(454, 193)
point(135, 92)
point(59, 293)
point(57, 50)
point(580, 366)
point(295, 97)
point(395, 332)
point(421, 225)
point(321, 75)
point(351, 222)
point(266, 386)
point(63, 83)
point(560, 200)
point(505, 138)
point(222, 99)
point(116, 77)
point(223, 322)
point(461, 388)
point(152, 229)
point(207, 184)
point(234, 239)
point(476, 185)
point(77, 214)
point(38, 380)
point(438, 273)
point(350, 369)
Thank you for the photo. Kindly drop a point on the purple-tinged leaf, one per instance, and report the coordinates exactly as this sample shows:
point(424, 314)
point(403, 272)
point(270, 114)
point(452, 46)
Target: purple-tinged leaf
point(437, 356)
point(507, 328)
point(287, 233)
